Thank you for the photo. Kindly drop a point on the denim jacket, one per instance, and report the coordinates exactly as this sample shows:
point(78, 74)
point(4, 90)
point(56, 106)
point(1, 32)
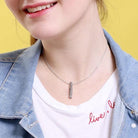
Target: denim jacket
point(17, 117)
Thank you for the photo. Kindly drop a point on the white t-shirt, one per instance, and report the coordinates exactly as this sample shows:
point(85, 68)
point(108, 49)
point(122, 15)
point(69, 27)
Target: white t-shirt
point(91, 119)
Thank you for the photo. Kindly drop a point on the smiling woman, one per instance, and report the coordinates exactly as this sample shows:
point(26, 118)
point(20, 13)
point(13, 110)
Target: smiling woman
point(74, 80)
point(100, 5)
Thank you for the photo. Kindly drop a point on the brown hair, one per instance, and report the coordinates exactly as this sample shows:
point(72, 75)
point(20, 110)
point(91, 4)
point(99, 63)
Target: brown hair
point(102, 12)
point(102, 9)
point(32, 40)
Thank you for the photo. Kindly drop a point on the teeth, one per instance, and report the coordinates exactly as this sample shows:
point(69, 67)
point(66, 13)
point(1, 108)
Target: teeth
point(39, 8)
point(48, 6)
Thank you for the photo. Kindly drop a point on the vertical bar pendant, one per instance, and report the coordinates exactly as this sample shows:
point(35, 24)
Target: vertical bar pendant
point(70, 90)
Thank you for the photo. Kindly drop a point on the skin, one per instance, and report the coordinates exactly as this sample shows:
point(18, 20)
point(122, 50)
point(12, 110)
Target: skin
point(73, 41)
point(57, 22)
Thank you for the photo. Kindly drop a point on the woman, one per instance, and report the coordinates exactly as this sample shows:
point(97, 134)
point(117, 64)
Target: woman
point(74, 82)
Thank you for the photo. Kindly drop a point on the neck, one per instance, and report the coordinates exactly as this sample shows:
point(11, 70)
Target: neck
point(74, 54)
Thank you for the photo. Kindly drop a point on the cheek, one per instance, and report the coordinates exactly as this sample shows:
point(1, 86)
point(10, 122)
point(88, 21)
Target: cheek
point(14, 6)
point(74, 10)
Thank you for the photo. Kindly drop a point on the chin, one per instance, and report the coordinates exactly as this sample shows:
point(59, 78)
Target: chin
point(45, 35)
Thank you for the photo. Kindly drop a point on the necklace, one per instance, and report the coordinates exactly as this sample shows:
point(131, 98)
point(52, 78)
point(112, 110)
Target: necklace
point(70, 84)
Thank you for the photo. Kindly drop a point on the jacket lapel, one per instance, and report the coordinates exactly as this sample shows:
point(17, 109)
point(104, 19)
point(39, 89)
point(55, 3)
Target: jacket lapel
point(16, 90)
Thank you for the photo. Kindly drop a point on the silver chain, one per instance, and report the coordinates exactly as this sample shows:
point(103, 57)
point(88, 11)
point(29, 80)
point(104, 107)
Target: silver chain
point(78, 82)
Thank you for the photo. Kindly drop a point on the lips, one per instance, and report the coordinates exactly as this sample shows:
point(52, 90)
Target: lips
point(38, 8)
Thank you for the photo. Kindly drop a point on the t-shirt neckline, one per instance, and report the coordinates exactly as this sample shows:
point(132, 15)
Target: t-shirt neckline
point(101, 95)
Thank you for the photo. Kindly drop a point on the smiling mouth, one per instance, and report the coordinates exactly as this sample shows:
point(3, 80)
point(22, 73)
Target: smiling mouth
point(38, 7)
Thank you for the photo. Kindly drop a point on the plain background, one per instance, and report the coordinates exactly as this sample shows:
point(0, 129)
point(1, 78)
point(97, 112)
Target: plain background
point(121, 23)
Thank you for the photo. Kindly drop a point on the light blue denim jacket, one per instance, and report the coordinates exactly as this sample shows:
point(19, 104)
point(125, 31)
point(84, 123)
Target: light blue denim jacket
point(17, 117)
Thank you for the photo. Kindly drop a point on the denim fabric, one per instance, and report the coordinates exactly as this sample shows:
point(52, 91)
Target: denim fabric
point(17, 117)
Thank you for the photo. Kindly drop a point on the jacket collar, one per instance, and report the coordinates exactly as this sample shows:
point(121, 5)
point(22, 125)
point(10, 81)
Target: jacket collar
point(127, 68)
point(16, 91)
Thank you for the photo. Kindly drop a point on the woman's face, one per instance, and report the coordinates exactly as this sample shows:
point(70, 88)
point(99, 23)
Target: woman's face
point(48, 18)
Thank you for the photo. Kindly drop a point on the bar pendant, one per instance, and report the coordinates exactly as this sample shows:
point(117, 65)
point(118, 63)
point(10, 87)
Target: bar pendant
point(70, 90)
